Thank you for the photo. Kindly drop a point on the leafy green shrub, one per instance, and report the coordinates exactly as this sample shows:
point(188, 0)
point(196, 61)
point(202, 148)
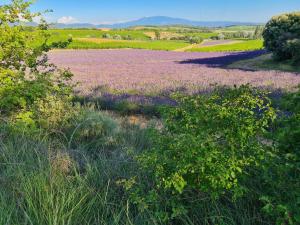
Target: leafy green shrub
point(281, 36)
point(207, 145)
point(281, 176)
point(62, 44)
point(195, 39)
point(25, 75)
point(291, 102)
point(127, 37)
point(244, 34)
point(117, 37)
point(53, 111)
point(220, 36)
point(108, 36)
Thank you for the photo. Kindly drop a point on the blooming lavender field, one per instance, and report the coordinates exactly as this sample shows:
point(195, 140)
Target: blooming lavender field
point(157, 72)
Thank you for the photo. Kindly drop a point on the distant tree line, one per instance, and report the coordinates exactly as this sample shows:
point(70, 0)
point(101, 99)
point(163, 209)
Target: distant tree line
point(257, 34)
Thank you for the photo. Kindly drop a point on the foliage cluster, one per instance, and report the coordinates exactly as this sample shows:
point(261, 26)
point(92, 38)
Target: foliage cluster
point(223, 146)
point(190, 39)
point(195, 40)
point(280, 176)
point(282, 37)
point(256, 34)
point(27, 80)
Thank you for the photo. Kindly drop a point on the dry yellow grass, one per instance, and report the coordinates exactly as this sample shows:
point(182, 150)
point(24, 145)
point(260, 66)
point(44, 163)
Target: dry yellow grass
point(105, 29)
point(202, 45)
point(187, 48)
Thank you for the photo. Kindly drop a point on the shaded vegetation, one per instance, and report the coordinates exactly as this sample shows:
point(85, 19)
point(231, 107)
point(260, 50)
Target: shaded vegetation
point(265, 62)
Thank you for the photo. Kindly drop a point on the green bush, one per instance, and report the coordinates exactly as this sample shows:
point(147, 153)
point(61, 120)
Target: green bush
point(108, 36)
point(26, 77)
point(62, 44)
point(127, 37)
point(281, 176)
point(117, 37)
point(282, 37)
point(195, 39)
point(207, 146)
point(241, 34)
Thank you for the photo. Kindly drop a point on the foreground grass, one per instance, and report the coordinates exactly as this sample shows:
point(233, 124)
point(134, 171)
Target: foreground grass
point(56, 179)
point(241, 46)
point(70, 175)
point(264, 62)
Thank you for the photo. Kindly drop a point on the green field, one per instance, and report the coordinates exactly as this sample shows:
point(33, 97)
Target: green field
point(151, 45)
point(61, 35)
point(92, 39)
point(204, 35)
point(93, 33)
point(241, 46)
point(85, 39)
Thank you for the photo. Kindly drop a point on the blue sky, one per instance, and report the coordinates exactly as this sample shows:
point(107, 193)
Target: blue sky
point(108, 11)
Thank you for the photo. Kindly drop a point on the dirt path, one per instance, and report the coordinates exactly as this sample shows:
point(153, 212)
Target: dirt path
point(186, 48)
point(207, 43)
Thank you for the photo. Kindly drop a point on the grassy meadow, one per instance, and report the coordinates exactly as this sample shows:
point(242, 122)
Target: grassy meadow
point(248, 45)
point(171, 38)
point(59, 34)
point(94, 43)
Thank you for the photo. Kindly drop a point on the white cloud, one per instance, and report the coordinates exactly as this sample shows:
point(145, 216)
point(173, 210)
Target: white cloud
point(37, 19)
point(67, 20)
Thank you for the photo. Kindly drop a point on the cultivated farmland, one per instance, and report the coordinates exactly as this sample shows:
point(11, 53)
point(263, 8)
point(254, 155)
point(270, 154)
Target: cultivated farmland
point(231, 47)
point(152, 72)
point(170, 38)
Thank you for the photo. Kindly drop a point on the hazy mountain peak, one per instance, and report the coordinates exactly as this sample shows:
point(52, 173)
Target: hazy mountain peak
point(155, 21)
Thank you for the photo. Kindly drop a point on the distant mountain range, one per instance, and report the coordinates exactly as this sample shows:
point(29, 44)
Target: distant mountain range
point(156, 21)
